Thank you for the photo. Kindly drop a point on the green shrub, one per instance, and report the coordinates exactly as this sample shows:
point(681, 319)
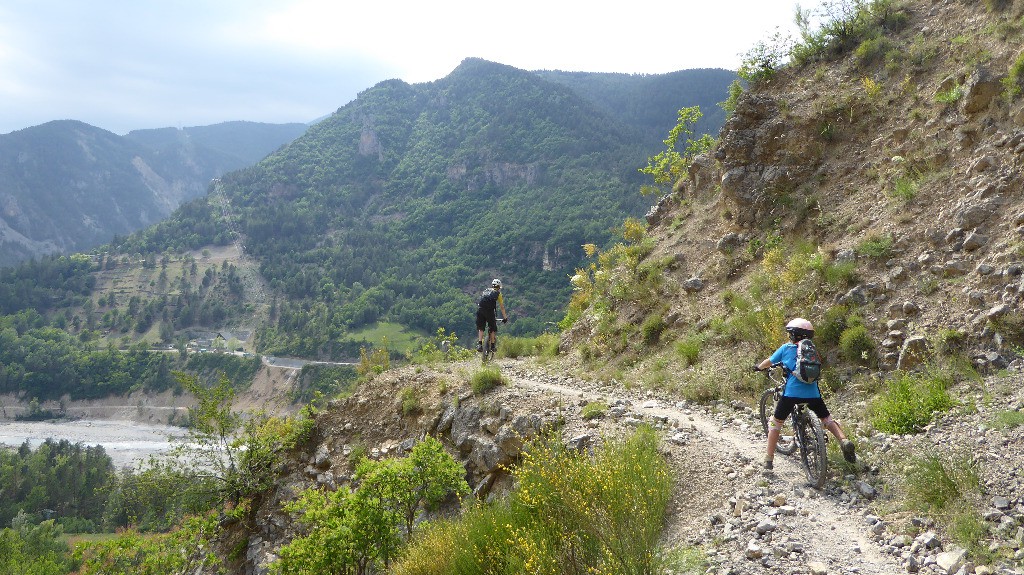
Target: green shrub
point(872, 49)
point(946, 486)
point(904, 188)
point(856, 345)
point(729, 105)
point(949, 341)
point(701, 386)
point(950, 95)
point(588, 353)
point(410, 400)
point(544, 345)
point(187, 549)
point(875, 246)
point(843, 274)
point(373, 362)
point(1012, 81)
point(320, 380)
point(927, 284)
point(652, 328)
point(688, 349)
point(685, 560)
point(1008, 419)
point(828, 131)
point(908, 402)
point(846, 25)
point(1011, 327)
point(570, 513)
point(969, 530)
point(365, 526)
point(36, 549)
point(359, 453)
point(486, 379)
point(443, 347)
point(594, 410)
point(763, 61)
point(831, 326)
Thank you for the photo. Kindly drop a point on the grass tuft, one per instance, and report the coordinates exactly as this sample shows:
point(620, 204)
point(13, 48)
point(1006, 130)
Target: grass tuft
point(486, 379)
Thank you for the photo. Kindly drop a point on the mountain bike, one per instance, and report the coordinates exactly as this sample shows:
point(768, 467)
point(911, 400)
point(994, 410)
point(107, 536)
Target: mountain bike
point(808, 434)
point(487, 354)
point(489, 349)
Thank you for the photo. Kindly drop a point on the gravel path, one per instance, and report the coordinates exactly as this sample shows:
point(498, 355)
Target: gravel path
point(757, 522)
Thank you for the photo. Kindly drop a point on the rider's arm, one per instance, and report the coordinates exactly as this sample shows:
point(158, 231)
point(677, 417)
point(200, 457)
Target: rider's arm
point(771, 360)
point(501, 302)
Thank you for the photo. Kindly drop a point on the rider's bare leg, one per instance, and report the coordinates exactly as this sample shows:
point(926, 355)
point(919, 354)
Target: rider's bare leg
point(774, 431)
point(833, 426)
point(845, 445)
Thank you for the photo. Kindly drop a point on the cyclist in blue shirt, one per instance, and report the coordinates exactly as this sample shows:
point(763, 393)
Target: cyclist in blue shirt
point(797, 391)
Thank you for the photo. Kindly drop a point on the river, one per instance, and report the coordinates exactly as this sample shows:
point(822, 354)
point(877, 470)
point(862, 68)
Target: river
point(126, 442)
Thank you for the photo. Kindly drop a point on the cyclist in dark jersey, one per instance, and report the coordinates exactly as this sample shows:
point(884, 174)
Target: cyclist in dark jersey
point(486, 315)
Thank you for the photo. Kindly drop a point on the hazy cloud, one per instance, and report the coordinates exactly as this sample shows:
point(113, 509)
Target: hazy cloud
point(123, 65)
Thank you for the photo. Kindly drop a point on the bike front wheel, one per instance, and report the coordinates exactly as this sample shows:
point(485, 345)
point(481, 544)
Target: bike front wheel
point(811, 437)
point(786, 444)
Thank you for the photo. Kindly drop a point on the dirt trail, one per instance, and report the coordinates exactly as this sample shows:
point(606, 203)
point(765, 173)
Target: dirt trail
point(828, 534)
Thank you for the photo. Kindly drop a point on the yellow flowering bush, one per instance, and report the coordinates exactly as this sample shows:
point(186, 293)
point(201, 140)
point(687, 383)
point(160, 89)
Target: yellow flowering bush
point(570, 513)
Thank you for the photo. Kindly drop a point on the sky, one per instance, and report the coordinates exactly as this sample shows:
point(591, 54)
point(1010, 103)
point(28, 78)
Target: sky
point(123, 65)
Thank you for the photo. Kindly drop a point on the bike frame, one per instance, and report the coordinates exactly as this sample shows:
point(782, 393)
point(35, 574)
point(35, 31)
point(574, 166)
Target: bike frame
point(813, 448)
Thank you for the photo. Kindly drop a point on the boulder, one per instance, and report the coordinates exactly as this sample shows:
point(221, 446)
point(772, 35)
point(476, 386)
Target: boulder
point(950, 561)
point(981, 88)
point(913, 353)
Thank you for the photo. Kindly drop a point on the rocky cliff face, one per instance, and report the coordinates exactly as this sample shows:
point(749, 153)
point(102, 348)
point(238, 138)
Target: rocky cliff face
point(918, 150)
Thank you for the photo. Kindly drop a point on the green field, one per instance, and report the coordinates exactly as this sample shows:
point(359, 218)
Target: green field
point(399, 338)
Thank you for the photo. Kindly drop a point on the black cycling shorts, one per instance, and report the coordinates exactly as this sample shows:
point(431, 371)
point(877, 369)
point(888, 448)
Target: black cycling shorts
point(786, 404)
point(486, 318)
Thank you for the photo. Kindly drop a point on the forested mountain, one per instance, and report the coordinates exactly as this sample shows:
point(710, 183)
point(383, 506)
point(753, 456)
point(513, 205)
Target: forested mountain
point(650, 101)
point(66, 186)
point(398, 208)
point(407, 201)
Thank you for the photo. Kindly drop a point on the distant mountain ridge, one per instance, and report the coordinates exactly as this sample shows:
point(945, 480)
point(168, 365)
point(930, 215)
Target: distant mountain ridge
point(66, 186)
point(650, 101)
point(401, 204)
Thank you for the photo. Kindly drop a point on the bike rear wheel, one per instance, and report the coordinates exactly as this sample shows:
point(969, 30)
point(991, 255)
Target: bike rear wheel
point(487, 353)
point(786, 444)
point(811, 438)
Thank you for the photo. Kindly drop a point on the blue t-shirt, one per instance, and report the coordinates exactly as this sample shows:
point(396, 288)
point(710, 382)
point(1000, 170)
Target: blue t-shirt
point(794, 387)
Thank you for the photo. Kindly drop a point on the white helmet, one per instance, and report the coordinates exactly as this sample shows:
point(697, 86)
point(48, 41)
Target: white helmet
point(496, 283)
point(800, 327)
